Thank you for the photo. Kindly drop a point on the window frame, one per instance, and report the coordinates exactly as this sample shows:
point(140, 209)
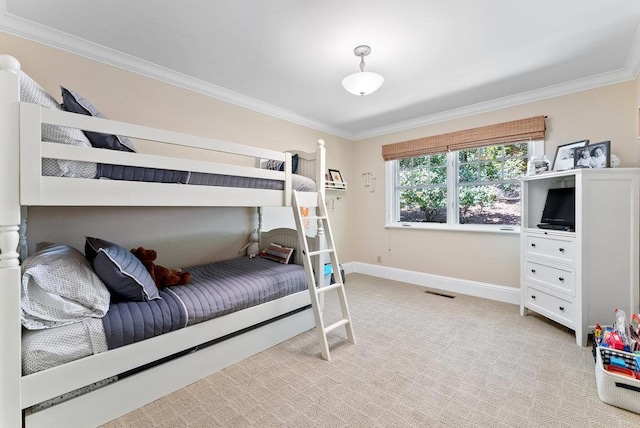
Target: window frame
point(535, 148)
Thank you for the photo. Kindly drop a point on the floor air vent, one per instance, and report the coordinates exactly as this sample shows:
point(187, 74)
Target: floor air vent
point(435, 293)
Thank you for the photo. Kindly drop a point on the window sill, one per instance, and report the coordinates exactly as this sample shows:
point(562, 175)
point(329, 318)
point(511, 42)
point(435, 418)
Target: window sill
point(513, 230)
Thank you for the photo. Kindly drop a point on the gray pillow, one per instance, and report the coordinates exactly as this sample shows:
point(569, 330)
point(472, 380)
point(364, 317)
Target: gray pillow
point(59, 288)
point(76, 103)
point(122, 272)
point(31, 92)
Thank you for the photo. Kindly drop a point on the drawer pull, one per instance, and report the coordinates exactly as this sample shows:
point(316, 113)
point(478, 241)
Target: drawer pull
point(533, 245)
point(561, 308)
point(533, 271)
point(561, 250)
point(533, 296)
point(561, 279)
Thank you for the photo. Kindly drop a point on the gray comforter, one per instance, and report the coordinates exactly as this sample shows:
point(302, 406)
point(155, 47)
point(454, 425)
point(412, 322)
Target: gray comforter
point(215, 289)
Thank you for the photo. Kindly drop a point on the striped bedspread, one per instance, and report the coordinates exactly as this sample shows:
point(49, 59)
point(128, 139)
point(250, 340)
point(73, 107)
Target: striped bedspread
point(215, 289)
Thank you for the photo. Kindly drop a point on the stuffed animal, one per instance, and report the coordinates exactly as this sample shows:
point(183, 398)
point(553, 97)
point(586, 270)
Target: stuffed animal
point(252, 247)
point(162, 276)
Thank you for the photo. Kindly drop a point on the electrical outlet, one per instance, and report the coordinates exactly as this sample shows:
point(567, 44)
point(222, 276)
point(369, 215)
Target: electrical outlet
point(379, 259)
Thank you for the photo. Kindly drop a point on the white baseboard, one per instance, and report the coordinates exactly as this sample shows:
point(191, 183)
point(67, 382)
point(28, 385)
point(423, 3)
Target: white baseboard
point(500, 293)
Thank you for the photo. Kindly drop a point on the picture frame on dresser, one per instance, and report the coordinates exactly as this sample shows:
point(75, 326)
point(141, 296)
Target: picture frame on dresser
point(565, 155)
point(593, 156)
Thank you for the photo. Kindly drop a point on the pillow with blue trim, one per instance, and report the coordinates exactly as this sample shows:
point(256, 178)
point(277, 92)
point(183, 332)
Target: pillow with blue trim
point(76, 103)
point(279, 165)
point(123, 273)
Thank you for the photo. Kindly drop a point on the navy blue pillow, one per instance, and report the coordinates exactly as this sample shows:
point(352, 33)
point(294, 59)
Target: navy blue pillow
point(123, 273)
point(294, 164)
point(279, 165)
point(76, 103)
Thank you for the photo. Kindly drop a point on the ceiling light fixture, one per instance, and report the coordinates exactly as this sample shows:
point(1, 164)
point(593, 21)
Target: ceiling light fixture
point(364, 82)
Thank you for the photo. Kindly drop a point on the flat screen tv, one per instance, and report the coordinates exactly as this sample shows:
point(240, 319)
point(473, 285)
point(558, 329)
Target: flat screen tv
point(559, 209)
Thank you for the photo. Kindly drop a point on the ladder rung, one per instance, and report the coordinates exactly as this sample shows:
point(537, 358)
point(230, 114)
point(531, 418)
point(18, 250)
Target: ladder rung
point(314, 217)
point(336, 325)
point(328, 287)
point(325, 251)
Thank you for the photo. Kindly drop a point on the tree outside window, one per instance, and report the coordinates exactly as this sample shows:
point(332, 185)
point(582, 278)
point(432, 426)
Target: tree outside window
point(480, 185)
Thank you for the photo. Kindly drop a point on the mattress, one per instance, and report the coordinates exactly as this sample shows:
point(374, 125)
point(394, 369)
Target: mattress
point(216, 289)
point(136, 173)
point(156, 175)
point(44, 349)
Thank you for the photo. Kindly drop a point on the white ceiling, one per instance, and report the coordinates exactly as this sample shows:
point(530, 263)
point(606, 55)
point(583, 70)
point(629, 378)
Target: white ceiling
point(440, 59)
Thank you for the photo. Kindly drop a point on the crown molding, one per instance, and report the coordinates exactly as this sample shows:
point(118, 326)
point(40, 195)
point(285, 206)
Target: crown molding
point(66, 42)
point(633, 59)
point(579, 85)
point(629, 72)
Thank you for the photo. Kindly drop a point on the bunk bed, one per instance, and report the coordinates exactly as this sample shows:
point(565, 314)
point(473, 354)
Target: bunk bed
point(111, 383)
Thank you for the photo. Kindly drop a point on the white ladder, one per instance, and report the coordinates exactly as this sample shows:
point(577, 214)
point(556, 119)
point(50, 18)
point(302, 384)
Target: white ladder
point(317, 211)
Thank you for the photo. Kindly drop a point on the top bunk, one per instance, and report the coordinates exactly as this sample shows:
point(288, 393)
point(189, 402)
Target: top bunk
point(58, 158)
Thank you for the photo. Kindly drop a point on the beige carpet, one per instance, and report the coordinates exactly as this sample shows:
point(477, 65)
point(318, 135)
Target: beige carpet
point(420, 361)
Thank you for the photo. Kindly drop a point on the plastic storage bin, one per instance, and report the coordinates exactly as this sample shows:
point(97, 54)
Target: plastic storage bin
point(616, 389)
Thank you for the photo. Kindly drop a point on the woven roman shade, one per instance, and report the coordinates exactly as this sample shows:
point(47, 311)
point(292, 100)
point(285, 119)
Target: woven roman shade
point(532, 128)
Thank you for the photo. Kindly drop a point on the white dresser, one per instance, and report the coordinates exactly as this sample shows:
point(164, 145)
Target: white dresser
point(578, 278)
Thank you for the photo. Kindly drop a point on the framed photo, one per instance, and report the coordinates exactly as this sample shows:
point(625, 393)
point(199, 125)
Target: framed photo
point(328, 181)
point(336, 177)
point(593, 156)
point(565, 155)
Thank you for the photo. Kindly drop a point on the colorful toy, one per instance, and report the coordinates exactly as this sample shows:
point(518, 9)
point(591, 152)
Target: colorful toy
point(635, 323)
point(622, 328)
point(597, 334)
point(621, 371)
point(614, 341)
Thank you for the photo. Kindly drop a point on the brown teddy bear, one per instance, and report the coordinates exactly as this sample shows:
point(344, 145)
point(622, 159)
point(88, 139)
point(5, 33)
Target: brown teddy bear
point(162, 276)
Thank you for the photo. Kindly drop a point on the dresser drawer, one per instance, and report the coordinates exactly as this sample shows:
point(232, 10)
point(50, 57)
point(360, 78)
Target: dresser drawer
point(557, 279)
point(551, 248)
point(550, 306)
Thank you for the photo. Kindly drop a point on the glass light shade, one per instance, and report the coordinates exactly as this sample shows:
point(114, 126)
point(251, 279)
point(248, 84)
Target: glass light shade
point(362, 83)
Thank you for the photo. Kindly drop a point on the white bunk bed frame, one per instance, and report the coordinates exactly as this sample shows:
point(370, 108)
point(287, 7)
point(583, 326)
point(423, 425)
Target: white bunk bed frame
point(22, 185)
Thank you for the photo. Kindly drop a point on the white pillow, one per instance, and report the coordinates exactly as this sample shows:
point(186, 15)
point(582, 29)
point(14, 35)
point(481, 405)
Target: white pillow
point(59, 287)
point(31, 92)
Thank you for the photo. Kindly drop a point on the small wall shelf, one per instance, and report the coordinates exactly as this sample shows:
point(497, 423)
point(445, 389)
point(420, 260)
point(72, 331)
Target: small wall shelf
point(336, 185)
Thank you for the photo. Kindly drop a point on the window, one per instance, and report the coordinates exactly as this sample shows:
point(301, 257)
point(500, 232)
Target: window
point(422, 188)
point(476, 186)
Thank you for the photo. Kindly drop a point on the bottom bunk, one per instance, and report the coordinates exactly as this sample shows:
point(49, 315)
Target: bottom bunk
point(125, 395)
point(233, 309)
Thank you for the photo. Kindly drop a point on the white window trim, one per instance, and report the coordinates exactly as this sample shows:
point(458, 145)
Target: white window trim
point(536, 148)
